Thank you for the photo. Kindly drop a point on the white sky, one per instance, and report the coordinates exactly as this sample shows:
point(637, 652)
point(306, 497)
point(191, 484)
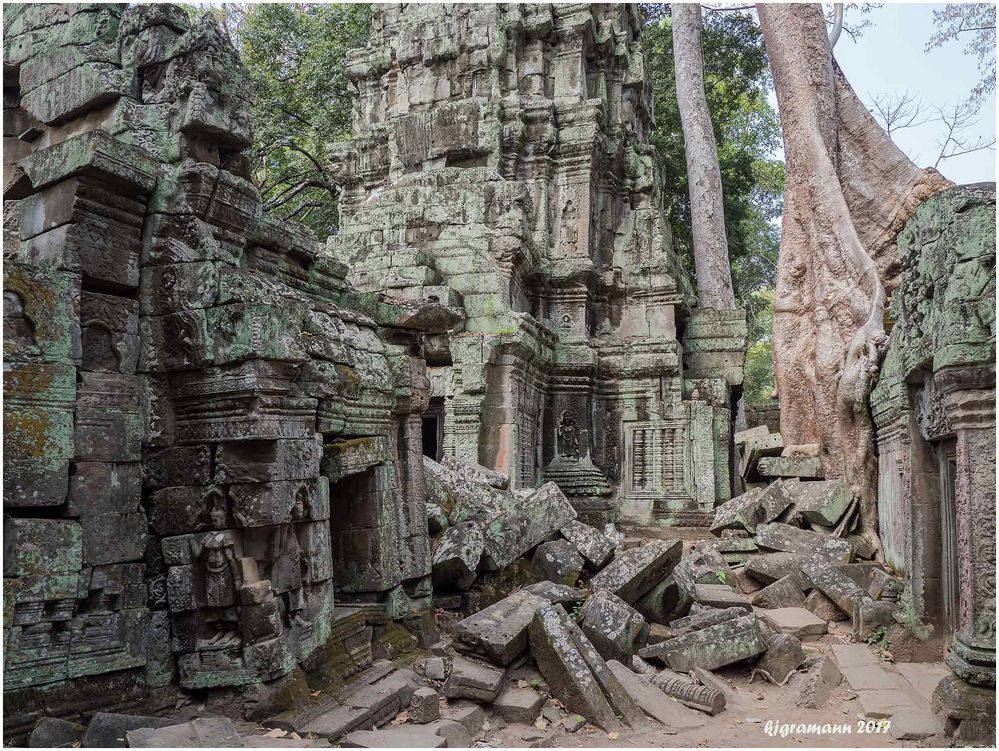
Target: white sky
point(889, 58)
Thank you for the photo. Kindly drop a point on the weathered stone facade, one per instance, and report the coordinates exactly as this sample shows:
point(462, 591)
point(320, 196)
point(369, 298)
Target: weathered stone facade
point(934, 410)
point(206, 430)
point(501, 165)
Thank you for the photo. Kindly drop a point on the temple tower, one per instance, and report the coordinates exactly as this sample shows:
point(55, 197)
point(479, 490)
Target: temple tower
point(501, 164)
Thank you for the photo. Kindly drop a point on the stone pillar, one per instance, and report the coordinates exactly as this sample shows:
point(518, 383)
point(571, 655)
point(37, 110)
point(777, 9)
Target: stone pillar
point(970, 403)
point(969, 398)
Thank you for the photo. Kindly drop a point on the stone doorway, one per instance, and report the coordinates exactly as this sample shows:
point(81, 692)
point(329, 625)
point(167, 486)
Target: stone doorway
point(433, 429)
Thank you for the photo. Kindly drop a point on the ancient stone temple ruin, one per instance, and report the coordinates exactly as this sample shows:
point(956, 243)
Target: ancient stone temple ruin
point(257, 474)
point(206, 431)
point(934, 409)
point(501, 164)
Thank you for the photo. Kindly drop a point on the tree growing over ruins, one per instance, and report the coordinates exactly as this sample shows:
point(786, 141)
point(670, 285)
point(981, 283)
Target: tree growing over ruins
point(848, 192)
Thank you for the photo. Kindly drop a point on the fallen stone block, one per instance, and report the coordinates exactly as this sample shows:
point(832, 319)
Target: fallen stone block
point(822, 502)
point(813, 688)
point(529, 520)
point(613, 626)
point(752, 508)
point(721, 596)
point(53, 732)
point(753, 451)
point(620, 700)
point(453, 733)
point(783, 656)
point(556, 593)
point(870, 616)
point(202, 732)
point(696, 622)
point(563, 667)
point(770, 567)
point(710, 680)
point(788, 539)
point(470, 679)
point(798, 622)
point(425, 706)
point(455, 555)
point(518, 704)
point(783, 593)
point(660, 603)
point(741, 581)
point(835, 585)
point(109, 730)
point(710, 648)
point(468, 714)
point(823, 607)
point(590, 544)
point(735, 550)
point(557, 561)
point(395, 737)
point(634, 572)
point(653, 701)
point(742, 437)
point(804, 467)
point(499, 632)
point(700, 697)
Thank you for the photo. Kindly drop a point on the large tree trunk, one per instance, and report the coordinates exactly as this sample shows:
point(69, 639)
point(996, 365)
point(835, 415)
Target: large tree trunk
point(848, 191)
point(714, 275)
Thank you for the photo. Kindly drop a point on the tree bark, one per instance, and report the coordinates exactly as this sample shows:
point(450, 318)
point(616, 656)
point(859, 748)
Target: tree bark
point(848, 191)
point(711, 263)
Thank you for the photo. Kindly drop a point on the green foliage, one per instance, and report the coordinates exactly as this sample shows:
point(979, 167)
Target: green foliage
point(722, 577)
point(295, 54)
point(747, 132)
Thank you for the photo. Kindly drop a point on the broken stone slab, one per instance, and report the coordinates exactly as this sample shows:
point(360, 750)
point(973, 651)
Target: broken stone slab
point(741, 581)
point(468, 714)
point(563, 667)
point(804, 467)
point(529, 520)
point(470, 679)
point(743, 437)
point(710, 648)
point(721, 596)
point(798, 622)
point(813, 688)
point(783, 656)
point(515, 704)
point(592, 545)
point(109, 730)
point(201, 732)
point(835, 585)
point(556, 593)
point(425, 706)
point(752, 508)
point(653, 701)
point(499, 632)
point(914, 725)
point(788, 539)
point(736, 551)
point(822, 502)
point(753, 451)
point(455, 555)
point(613, 626)
point(872, 615)
point(660, 603)
point(823, 607)
point(696, 696)
point(787, 592)
point(709, 679)
point(696, 622)
point(53, 732)
point(771, 567)
point(634, 572)
point(395, 737)
point(557, 561)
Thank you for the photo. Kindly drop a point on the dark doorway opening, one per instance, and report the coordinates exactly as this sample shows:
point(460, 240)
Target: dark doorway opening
point(433, 429)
